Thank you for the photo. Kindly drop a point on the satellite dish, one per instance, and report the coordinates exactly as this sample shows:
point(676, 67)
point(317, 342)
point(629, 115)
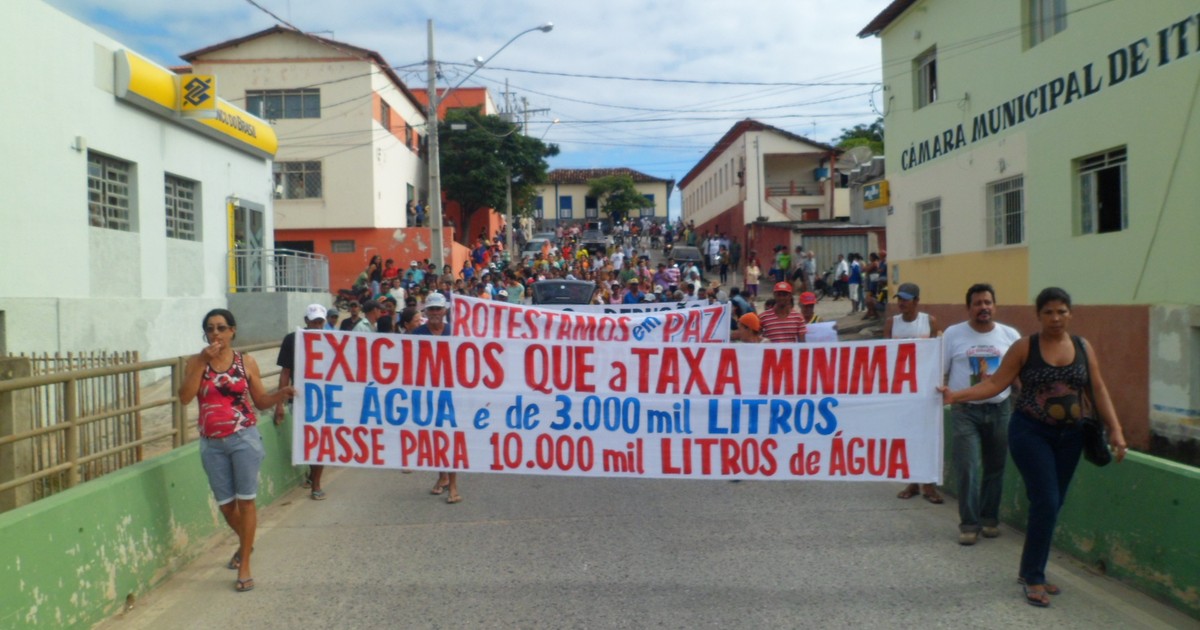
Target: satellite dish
point(855, 158)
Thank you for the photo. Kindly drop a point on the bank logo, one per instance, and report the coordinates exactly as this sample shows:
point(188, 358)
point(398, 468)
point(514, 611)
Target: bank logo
point(197, 91)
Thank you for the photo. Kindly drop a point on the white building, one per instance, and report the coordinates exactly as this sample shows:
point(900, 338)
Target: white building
point(119, 212)
point(350, 134)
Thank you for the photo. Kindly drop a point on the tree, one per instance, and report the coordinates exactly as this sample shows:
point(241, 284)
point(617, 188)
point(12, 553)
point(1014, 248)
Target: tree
point(476, 160)
point(617, 196)
point(862, 135)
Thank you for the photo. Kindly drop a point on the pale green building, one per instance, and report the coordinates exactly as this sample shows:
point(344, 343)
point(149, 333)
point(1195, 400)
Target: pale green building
point(1037, 143)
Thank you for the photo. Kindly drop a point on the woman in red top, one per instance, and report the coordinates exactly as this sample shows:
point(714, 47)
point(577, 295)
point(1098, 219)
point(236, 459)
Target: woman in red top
point(225, 382)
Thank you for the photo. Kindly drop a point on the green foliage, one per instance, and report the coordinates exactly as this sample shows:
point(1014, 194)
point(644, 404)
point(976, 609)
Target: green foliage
point(617, 196)
point(862, 135)
point(474, 162)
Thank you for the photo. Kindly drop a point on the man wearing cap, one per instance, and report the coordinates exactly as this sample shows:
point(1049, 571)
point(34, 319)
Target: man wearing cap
point(973, 350)
point(782, 323)
point(748, 330)
point(436, 325)
point(911, 323)
point(808, 307)
point(634, 294)
point(372, 311)
point(314, 319)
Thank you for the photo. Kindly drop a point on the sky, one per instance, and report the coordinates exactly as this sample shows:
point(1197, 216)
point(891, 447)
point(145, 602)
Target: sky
point(650, 86)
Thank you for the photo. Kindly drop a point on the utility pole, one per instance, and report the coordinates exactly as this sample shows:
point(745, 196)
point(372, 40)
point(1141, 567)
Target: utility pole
point(435, 168)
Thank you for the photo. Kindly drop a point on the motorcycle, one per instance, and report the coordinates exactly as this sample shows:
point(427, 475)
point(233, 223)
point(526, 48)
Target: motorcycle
point(824, 284)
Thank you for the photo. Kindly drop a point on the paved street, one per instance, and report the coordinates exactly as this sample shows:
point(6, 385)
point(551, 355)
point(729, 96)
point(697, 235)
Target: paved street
point(540, 552)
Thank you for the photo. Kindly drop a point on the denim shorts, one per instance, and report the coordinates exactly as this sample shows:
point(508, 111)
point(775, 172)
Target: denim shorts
point(232, 464)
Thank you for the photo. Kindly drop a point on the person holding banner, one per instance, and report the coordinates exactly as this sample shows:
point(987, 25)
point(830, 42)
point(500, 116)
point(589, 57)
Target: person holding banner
point(224, 383)
point(1056, 369)
point(781, 323)
point(911, 323)
point(973, 350)
point(314, 319)
point(436, 324)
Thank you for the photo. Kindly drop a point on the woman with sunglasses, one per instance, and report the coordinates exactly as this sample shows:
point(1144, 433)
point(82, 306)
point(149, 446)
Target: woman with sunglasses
point(224, 383)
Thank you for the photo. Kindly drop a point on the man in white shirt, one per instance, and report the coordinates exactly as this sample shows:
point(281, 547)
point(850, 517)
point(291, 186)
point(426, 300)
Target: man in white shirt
point(973, 350)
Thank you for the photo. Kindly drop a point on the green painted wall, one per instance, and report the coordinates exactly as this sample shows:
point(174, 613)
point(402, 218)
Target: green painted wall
point(1134, 521)
point(73, 558)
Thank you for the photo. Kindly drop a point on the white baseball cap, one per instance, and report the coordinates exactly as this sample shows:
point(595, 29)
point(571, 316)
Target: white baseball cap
point(314, 311)
point(435, 300)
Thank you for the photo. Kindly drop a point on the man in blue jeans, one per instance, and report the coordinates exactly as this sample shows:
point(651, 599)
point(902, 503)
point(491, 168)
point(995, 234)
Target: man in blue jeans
point(973, 350)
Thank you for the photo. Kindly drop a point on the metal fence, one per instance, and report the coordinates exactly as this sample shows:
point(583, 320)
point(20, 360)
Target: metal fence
point(76, 418)
point(259, 270)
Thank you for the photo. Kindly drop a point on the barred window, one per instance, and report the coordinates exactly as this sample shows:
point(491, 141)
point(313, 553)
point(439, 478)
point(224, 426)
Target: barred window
point(110, 181)
point(342, 246)
point(1103, 192)
point(279, 104)
point(298, 180)
point(929, 214)
point(181, 198)
point(1006, 211)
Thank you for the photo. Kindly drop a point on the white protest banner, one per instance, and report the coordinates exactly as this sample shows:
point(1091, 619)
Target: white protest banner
point(864, 411)
point(493, 319)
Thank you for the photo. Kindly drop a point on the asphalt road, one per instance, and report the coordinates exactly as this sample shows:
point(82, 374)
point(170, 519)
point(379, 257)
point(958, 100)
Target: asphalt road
point(543, 552)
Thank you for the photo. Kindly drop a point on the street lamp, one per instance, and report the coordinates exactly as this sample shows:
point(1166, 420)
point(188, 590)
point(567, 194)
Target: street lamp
point(435, 169)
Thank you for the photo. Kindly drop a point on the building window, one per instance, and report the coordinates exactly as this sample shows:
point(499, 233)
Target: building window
point(1103, 192)
point(591, 207)
point(1046, 18)
point(1006, 211)
point(297, 180)
point(181, 201)
point(342, 247)
point(110, 182)
point(925, 72)
point(648, 209)
point(279, 104)
point(929, 215)
point(408, 135)
point(385, 115)
point(565, 206)
point(539, 207)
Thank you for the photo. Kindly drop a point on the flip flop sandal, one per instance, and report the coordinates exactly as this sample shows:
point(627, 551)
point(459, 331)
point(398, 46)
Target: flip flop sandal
point(235, 562)
point(934, 498)
point(244, 586)
point(908, 492)
point(438, 489)
point(1033, 598)
point(454, 498)
point(318, 495)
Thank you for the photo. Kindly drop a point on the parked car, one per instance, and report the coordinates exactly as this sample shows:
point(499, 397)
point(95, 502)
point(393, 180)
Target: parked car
point(533, 247)
point(563, 291)
point(685, 255)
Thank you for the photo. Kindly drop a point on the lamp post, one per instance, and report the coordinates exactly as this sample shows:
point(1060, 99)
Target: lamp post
point(435, 169)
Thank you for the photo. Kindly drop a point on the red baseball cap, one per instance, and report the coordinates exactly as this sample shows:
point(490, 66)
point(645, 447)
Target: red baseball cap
point(783, 287)
point(808, 297)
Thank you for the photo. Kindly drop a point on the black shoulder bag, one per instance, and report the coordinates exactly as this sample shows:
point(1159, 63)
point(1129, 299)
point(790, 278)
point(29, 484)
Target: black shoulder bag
point(1095, 434)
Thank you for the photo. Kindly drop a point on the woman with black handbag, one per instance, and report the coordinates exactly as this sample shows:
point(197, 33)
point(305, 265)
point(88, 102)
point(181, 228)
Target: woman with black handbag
point(1045, 435)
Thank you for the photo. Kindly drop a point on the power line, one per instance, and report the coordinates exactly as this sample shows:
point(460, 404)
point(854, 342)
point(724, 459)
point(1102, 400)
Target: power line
point(683, 81)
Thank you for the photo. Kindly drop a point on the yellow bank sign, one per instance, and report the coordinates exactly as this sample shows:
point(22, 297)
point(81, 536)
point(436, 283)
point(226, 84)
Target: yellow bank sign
point(192, 101)
point(875, 194)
